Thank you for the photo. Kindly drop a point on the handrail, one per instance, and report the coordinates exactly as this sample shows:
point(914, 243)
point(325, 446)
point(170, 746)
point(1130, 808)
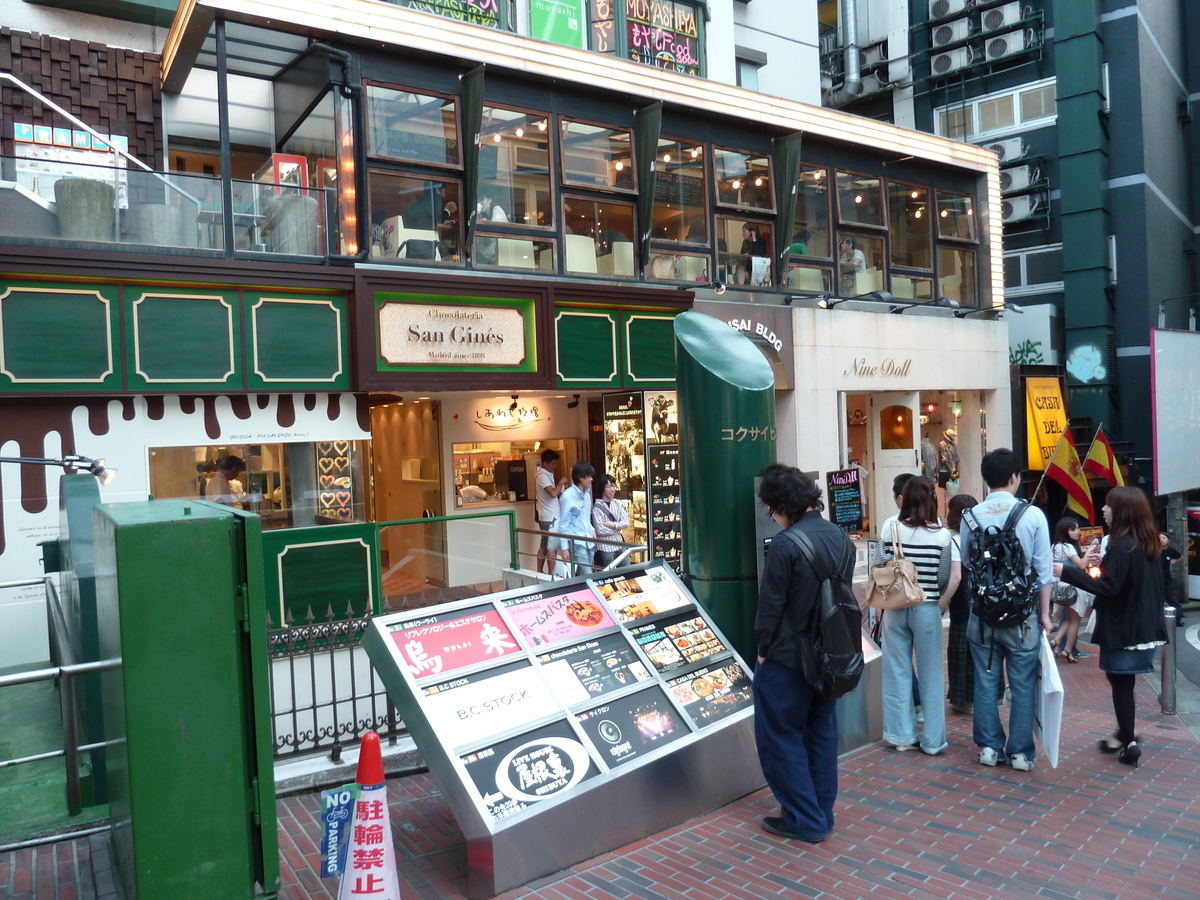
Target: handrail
point(627, 548)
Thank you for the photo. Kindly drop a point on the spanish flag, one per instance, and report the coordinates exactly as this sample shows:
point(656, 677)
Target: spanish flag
point(1101, 460)
point(1065, 468)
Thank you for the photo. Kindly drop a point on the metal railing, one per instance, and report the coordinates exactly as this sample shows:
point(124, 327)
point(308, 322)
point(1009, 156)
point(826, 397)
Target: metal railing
point(625, 551)
point(63, 673)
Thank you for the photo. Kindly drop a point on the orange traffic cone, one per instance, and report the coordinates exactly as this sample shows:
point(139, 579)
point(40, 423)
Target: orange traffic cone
point(370, 859)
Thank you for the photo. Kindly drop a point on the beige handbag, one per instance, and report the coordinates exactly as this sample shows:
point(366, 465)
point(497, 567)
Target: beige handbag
point(893, 583)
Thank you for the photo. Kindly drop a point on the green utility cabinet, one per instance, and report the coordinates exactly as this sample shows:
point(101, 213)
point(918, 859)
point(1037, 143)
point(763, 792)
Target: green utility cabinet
point(179, 596)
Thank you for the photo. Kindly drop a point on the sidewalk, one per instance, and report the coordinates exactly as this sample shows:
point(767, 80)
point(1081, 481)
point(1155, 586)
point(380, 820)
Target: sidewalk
point(909, 825)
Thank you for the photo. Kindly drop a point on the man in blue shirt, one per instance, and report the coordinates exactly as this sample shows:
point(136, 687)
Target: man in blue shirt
point(1016, 648)
point(575, 515)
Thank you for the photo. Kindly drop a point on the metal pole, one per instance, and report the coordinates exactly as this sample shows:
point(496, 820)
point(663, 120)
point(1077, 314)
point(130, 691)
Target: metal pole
point(66, 693)
point(1166, 699)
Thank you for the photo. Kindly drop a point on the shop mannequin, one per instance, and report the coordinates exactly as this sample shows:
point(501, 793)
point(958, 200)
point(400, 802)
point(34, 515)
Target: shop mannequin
point(947, 478)
point(929, 457)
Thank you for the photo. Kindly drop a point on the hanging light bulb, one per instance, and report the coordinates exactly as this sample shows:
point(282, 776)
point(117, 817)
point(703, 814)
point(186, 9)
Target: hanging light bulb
point(542, 125)
point(620, 166)
point(737, 185)
point(520, 132)
point(666, 157)
point(758, 182)
point(496, 137)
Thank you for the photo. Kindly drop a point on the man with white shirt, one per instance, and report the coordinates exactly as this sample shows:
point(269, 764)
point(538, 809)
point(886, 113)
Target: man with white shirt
point(576, 516)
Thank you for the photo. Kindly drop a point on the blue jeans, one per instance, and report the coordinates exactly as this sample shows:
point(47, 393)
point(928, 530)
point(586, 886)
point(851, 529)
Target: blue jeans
point(582, 554)
point(918, 630)
point(795, 729)
point(1016, 650)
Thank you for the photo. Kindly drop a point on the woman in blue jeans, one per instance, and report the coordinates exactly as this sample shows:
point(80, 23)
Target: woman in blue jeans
point(918, 629)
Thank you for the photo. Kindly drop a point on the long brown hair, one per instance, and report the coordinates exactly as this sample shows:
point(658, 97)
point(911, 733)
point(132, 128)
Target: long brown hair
point(1131, 518)
point(918, 503)
point(955, 508)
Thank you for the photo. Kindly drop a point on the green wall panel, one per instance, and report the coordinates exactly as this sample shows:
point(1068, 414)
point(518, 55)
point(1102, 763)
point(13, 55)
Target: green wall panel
point(58, 337)
point(587, 348)
point(649, 349)
point(318, 568)
point(297, 342)
point(181, 339)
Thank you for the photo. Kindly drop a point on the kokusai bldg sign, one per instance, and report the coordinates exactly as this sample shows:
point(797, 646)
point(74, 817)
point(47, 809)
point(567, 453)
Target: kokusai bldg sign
point(424, 334)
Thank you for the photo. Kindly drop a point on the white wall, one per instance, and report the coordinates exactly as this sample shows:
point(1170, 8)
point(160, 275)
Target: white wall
point(785, 30)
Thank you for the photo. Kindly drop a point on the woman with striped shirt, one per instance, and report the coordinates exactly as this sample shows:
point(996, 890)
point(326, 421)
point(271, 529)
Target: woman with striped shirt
point(918, 629)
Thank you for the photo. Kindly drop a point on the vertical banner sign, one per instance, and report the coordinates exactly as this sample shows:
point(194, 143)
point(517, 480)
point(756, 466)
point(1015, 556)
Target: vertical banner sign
point(560, 21)
point(337, 809)
point(845, 498)
point(663, 495)
point(1045, 419)
point(625, 457)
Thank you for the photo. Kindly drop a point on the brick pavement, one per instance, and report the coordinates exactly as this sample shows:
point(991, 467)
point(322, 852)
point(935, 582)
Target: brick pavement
point(909, 826)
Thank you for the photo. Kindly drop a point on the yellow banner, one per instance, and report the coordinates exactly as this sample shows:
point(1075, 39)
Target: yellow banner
point(1045, 419)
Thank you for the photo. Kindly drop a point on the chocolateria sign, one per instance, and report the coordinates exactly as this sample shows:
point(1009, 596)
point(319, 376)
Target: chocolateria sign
point(430, 334)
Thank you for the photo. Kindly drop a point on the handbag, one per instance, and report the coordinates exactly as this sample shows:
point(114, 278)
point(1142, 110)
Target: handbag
point(893, 583)
point(1063, 594)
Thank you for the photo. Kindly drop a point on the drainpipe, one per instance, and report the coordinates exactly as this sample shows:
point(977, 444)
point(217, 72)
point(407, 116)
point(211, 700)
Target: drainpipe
point(852, 83)
point(355, 90)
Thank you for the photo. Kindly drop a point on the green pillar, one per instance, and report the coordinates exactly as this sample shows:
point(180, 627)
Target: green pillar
point(726, 394)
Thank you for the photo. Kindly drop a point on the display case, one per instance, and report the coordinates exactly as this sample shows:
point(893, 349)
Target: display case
point(565, 721)
point(284, 169)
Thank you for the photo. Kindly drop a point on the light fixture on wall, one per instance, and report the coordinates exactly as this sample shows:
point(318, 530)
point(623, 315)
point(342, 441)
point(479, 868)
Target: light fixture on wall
point(718, 287)
point(956, 407)
point(574, 403)
point(513, 406)
point(95, 467)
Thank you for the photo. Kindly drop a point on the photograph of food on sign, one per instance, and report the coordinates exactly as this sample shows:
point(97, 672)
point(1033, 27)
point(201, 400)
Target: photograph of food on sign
point(585, 671)
point(710, 694)
point(441, 643)
point(642, 595)
point(632, 726)
point(548, 618)
point(517, 773)
point(467, 709)
point(677, 641)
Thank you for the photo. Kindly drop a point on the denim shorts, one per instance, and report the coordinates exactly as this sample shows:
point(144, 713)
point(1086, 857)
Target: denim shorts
point(1119, 661)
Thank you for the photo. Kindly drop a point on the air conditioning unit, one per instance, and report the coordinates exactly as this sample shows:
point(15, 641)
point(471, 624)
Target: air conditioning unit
point(1018, 178)
point(940, 9)
point(951, 60)
point(874, 82)
point(872, 56)
point(1008, 44)
point(1013, 209)
point(1013, 148)
point(1002, 16)
point(949, 32)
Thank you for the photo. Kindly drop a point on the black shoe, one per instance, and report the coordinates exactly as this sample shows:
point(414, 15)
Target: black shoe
point(1130, 754)
point(1106, 747)
point(774, 825)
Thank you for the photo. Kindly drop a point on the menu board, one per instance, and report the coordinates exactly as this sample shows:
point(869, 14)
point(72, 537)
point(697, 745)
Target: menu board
point(677, 641)
point(662, 452)
point(585, 671)
point(466, 709)
point(547, 617)
point(712, 693)
point(845, 498)
point(516, 773)
point(633, 725)
point(638, 596)
point(447, 641)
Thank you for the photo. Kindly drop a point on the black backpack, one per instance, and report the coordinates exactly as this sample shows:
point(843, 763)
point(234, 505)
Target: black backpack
point(1003, 583)
point(831, 659)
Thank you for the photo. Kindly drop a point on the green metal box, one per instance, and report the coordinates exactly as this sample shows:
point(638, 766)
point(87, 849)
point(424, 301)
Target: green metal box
point(179, 594)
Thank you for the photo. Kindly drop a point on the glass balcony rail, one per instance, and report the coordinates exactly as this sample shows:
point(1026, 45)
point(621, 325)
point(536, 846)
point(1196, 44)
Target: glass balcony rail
point(279, 218)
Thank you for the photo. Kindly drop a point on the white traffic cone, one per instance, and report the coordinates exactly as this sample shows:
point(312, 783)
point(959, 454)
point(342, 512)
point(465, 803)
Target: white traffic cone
point(370, 870)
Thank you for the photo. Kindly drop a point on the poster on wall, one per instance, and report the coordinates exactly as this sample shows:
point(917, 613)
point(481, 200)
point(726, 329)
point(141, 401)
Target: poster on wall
point(44, 154)
point(663, 494)
point(560, 21)
point(625, 458)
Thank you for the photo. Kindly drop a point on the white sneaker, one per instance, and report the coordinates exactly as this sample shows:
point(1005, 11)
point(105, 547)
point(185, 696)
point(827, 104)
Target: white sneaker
point(988, 757)
point(1021, 763)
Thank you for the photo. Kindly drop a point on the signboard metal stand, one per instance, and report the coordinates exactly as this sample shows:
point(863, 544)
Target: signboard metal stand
point(563, 721)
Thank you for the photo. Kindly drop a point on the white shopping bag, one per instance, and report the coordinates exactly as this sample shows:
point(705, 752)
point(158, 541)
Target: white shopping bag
point(1048, 721)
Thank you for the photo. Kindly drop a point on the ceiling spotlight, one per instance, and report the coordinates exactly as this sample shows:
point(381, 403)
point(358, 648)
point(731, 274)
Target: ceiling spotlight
point(95, 467)
point(718, 287)
point(787, 299)
point(619, 165)
point(574, 403)
point(513, 407)
point(737, 185)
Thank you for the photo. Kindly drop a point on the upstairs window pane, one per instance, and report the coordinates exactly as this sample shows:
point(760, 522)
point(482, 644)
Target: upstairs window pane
point(909, 214)
point(514, 165)
point(956, 216)
point(811, 237)
point(743, 180)
point(417, 128)
point(597, 156)
point(680, 189)
point(860, 199)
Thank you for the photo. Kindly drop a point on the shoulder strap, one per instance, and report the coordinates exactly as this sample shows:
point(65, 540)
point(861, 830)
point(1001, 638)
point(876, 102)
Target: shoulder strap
point(1015, 515)
point(969, 518)
point(815, 559)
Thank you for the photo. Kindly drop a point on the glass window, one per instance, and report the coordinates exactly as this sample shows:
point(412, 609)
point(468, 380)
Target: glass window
point(956, 275)
point(957, 123)
point(744, 252)
point(514, 166)
point(860, 199)
point(811, 237)
point(664, 34)
point(860, 264)
point(956, 216)
point(747, 74)
point(1044, 267)
point(743, 180)
point(1038, 103)
point(1012, 271)
point(908, 215)
point(414, 218)
point(680, 267)
point(895, 428)
point(680, 189)
point(910, 287)
point(412, 127)
point(600, 237)
point(493, 251)
point(808, 278)
point(998, 113)
point(597, 156)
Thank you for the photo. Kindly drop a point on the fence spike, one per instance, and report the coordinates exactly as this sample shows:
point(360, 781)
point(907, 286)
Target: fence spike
point(350, 614)
point(404, 603)
point(309, 617)
point(329, 614)
point(270, 624)
point(289, 620)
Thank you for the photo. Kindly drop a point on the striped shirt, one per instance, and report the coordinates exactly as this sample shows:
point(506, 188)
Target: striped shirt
point(928, 549)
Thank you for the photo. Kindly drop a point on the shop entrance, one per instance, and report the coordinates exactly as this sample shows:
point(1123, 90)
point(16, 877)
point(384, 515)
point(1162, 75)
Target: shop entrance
point(892, 437)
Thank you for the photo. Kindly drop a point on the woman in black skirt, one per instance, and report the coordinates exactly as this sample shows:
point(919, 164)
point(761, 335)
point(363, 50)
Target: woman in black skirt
point(959, 666)
point(1129, 608)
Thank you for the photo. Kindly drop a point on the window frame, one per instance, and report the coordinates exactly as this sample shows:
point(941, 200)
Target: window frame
point(709, 237)
point(1025, 288)
point(930, 234)
point(772, 255)
point(563, 198)
point(563, 183)
point(751, 210)
point(390, 169)
point(938, 236)
point(883, 210)
point(552, 180)
point(371, 156)
point(1020, 125)
point(831, 222)
point(871, 235)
